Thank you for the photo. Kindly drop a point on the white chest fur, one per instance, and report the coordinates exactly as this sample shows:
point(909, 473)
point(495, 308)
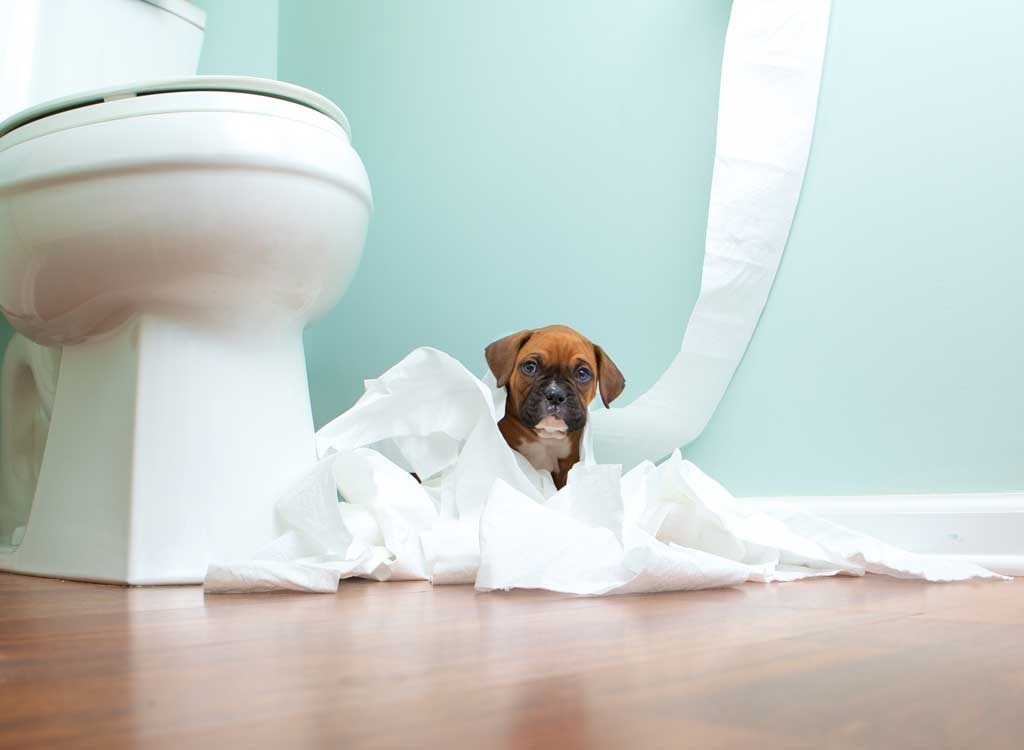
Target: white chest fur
point(544, 453)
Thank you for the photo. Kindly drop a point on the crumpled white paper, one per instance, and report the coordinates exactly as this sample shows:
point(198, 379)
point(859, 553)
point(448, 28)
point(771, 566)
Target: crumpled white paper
point(771, 74)
point(483, 515)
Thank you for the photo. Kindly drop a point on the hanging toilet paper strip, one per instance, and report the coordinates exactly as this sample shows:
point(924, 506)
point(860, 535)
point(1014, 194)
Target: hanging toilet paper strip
point(482, 514)
point(771, 72)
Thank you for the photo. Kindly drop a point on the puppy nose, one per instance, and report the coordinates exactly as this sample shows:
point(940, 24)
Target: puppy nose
point(554, 393)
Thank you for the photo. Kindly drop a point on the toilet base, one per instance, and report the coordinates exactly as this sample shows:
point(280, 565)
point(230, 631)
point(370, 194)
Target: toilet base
point(169, 445)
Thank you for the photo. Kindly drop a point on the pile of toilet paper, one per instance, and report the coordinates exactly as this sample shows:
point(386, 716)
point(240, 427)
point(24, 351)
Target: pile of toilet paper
point(481, 514)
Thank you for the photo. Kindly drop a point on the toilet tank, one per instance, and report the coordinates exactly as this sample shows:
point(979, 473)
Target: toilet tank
point(53, 48)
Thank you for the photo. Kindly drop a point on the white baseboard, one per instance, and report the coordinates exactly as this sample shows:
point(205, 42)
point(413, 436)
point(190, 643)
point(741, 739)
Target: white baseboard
point(987, 528)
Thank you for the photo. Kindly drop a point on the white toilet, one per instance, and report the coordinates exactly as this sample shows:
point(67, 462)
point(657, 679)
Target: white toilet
point(174, 237)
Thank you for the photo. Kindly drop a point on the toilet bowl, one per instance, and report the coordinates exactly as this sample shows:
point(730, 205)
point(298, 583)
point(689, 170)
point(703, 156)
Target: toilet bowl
point(174, 237)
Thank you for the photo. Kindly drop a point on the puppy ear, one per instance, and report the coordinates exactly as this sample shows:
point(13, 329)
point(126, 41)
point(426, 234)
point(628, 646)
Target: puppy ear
point(501, 355)
point(608, 377)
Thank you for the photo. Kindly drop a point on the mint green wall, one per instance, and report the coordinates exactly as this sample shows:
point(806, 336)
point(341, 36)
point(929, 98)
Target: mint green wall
point(538, 161)
point(241, 37)
point(891, 354)
point(532, 162)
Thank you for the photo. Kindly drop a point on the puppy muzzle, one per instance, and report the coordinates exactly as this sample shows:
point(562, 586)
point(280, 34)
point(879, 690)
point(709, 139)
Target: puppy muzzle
point(551, 402)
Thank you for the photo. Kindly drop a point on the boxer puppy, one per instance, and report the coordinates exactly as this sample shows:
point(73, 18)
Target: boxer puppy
point(551, 375)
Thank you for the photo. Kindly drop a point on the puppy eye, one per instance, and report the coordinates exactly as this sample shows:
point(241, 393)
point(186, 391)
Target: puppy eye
point(583, 375)
point(529, 368)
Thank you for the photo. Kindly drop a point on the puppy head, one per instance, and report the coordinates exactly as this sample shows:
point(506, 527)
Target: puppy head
point(551, 375)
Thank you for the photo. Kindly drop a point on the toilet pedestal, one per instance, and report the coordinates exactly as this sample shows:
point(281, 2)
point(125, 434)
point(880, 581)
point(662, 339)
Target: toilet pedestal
point(170, 443)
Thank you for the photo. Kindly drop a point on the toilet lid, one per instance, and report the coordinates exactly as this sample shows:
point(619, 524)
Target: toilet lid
point(237, 84)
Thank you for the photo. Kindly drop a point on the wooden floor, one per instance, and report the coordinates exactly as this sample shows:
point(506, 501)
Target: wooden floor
point(871, 663)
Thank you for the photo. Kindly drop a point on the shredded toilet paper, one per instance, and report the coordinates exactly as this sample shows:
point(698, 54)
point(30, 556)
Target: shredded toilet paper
point(483, 515)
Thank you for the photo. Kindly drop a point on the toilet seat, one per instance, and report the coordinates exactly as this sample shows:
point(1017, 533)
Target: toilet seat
point(89, 107)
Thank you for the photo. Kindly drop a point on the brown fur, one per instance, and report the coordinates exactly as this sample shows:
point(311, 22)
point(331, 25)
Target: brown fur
point(562, 349)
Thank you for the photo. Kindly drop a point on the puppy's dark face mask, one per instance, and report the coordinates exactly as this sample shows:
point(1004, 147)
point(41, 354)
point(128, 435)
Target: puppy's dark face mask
point(552, 375)
point(554, 396)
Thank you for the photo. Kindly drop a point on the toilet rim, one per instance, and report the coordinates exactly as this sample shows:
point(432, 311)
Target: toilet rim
point(192, 84)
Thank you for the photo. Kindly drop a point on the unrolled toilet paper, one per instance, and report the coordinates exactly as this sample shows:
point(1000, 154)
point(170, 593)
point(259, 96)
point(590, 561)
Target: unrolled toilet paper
point(483, 515)
point(771, 73)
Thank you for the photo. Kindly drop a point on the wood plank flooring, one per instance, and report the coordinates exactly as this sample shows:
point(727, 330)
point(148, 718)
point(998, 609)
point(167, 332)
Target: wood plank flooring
point(835, 663)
